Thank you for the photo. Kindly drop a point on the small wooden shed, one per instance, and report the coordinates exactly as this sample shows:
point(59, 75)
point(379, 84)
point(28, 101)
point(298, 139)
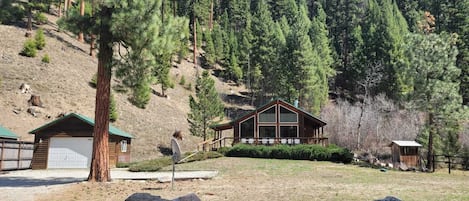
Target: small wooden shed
point(6, 134)
point(406, 153)
point(67, 142)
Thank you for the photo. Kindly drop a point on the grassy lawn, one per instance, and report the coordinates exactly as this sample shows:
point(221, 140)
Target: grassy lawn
point(268, 179)
point(308, 180)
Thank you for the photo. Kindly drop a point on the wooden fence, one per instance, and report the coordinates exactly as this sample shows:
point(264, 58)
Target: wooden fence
point(453, 162)
point(15, 155)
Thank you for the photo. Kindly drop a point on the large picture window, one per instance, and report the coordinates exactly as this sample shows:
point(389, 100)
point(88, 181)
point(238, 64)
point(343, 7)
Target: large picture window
point(247, 128)
point(287, 116)
point(266, 131)
point(289, 131)
point(267, 116)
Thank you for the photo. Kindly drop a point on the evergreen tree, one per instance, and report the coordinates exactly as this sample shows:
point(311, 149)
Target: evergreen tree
point(323, 66)
point(343, 20)
point(305, 65)
point(218, 43)
point(410, 11)
point(263, 51)
point(143, 43)
point(206, 107)
point(452, 17)
point(383, 31)
point(210, 53)
point(283, 8)
point(432, 78)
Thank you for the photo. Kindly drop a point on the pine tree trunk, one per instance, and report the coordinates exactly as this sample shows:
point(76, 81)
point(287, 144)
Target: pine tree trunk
point(99, 171)
point(195, 41)
point(210, 19)
point(162, 12)
point(174, 8)
point(82, 13)
point(29, 30)
point(93, 36)
point(59, 11)
point(66, 6)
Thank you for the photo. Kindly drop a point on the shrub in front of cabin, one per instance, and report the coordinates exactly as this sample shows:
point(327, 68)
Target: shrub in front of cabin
point(298, 152)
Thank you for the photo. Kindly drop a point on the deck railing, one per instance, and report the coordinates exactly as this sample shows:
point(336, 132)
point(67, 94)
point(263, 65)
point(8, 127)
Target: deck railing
point(228, 141)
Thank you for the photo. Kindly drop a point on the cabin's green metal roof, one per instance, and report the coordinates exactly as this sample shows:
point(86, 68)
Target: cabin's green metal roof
point(5, 133)
point(112, 130)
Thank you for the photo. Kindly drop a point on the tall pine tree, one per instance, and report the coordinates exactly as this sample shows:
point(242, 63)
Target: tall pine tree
point(206, 107)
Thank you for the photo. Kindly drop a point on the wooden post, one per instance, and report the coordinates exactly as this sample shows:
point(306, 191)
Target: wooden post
point(19, 156)
point(449, 164)
point(1, 156)
point(433, 170)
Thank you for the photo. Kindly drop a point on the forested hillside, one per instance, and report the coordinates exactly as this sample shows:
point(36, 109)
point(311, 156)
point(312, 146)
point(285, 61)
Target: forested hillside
point(374, 70)
point(394, 69)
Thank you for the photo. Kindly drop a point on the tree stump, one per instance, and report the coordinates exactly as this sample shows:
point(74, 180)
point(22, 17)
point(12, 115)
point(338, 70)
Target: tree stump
point(35, 101)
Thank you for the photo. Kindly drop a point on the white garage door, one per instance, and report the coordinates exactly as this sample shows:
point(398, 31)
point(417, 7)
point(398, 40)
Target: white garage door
point(70, 152)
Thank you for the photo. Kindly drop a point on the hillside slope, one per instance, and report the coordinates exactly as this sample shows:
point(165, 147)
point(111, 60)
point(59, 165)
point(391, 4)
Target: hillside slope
point(63, 86)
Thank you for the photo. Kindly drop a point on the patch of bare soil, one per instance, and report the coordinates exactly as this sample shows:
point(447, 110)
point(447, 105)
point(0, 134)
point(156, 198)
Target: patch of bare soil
point(63, 86)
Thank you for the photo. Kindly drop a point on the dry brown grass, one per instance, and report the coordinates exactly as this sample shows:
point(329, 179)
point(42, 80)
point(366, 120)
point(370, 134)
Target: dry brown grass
point(264, 179)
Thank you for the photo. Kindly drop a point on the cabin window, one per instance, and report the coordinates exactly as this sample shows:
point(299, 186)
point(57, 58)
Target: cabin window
point(287, 116)
point(266, 131)
point(288, 131)
point(124, 146)
point(247, 128)
point(268, 115)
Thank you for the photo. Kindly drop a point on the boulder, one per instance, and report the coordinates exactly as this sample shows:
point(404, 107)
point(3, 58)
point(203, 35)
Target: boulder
point(188, 197)
point(144, 197)
point(389, 198)
point(149, 197)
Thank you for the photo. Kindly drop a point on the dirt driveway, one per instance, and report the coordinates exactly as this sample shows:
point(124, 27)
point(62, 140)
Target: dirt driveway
point(31, 184)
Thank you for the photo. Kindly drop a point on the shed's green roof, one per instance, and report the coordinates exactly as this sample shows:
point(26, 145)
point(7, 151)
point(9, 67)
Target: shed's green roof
point(5, 133)
point(112, 130)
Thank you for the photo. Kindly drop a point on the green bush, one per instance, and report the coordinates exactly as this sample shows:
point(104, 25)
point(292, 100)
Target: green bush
point(29, 48)
point(159, 163)
point(151, 165)
point(123, 165)
point(298, 152)
point(94, 81)
point(182, 82)
point(40, 39)
point(10, 13)
point(45, 58)
point(223, 150)
point(200, 156)
point(40, 18)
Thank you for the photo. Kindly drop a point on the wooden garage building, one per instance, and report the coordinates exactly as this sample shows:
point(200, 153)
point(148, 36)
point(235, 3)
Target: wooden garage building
point(67, 142)
point(405, 153)
point(277, 122)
